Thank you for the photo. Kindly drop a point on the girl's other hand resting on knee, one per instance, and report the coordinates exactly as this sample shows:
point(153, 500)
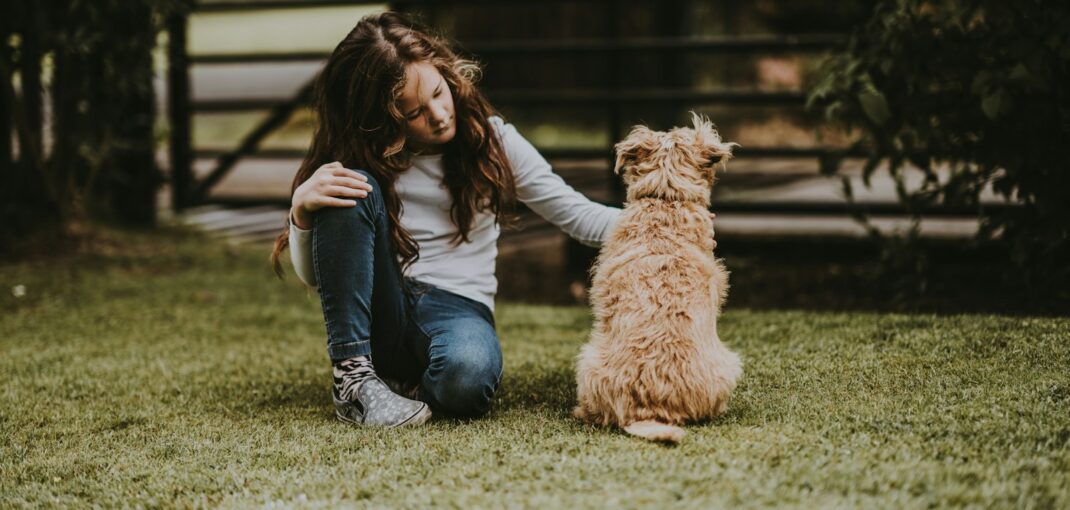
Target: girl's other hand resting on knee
point(332, 185)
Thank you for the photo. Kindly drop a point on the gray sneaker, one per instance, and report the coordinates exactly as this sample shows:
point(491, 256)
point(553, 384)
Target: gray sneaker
point(376, 405)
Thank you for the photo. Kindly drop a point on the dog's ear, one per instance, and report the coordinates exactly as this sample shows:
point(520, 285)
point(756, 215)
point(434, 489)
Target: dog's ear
point(638, 145)
point(708, 141)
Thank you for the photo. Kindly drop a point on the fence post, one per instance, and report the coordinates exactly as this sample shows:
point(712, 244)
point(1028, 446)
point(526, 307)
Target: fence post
point(179, 110)
point(32, 94)
point(616, 116)
point(7, 111)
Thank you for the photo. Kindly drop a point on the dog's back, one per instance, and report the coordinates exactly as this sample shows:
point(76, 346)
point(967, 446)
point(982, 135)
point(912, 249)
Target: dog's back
point(654, 353)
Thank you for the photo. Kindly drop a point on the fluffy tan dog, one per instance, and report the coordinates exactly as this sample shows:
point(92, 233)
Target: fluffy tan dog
point(654, 360)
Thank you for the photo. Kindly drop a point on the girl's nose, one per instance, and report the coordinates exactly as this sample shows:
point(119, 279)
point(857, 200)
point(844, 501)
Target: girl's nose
point(437, 114)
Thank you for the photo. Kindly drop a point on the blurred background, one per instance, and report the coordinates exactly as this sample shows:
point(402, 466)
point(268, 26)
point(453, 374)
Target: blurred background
point(898, 154)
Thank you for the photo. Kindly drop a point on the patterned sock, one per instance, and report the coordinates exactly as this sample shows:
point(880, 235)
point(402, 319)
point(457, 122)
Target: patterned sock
point(350, 373)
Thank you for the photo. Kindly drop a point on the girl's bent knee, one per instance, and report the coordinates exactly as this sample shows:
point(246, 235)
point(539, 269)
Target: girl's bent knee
point(467, 389)
point(466, 401)
point(366, 211)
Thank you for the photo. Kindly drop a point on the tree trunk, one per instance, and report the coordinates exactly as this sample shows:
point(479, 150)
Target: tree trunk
point(104, 110)
point(28, 204)
point(7, 111)
point(130, 187)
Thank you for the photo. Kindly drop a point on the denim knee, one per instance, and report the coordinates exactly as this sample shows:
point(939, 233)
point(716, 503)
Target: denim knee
point(465, 381)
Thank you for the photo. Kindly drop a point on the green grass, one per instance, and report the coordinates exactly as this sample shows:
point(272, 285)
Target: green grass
point(167, 369)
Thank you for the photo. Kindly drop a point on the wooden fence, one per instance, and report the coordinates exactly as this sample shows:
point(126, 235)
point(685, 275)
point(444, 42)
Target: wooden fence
point(187, 191)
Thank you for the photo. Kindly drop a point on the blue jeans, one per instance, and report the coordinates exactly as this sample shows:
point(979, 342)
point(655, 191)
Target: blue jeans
point(415, 332)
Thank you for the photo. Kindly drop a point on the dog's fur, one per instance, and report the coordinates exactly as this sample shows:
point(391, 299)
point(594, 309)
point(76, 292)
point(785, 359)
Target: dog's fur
point(654, 360)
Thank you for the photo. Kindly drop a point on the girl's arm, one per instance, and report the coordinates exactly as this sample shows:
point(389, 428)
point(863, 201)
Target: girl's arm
point(546, 193)
point(301, 253)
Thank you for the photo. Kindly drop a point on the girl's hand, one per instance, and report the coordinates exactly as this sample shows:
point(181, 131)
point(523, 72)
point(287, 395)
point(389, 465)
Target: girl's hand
point(713, 232)
point(330, 186)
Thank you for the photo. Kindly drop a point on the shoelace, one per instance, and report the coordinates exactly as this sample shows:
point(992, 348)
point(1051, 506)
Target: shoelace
point(350, 374)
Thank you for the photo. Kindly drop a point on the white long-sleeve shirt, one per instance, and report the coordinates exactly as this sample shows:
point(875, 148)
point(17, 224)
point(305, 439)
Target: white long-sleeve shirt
point(468, 268)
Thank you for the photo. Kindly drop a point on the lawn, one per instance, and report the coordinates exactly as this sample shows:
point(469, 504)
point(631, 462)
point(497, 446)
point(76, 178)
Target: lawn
point(168, 369)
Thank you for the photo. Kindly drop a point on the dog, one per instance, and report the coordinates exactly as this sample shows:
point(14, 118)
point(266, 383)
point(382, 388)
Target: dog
point(653, 360)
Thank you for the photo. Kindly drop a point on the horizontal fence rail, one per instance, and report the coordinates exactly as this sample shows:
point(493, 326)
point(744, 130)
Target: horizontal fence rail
point(571, 97)
point(723, 44)
point(231, 6)
point(238, 6)
point(585, 153)
point(884, 209)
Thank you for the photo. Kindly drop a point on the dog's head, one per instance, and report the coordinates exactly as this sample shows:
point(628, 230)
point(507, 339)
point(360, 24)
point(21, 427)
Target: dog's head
point(675, 165)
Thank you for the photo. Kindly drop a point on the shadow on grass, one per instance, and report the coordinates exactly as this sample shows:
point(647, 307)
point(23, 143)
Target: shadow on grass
point(553, 389)
point(537, 386)
point(943, 277)
point(529, 387)
point(847, 274)
point(284, 394)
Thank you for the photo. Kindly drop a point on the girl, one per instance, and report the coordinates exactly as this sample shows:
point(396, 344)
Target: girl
point(395, 218)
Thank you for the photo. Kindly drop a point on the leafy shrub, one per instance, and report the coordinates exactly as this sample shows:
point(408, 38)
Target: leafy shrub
point(973, 94)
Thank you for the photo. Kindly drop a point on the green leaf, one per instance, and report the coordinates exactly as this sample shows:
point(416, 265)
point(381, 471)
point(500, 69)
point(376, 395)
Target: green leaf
point(1020, 73)
point(847, 189)
point(993, 104)
point(981, 81)
point(869, 168)
point(875, 106)
point(887, 65)
point(1030, 81)
point(832, 111)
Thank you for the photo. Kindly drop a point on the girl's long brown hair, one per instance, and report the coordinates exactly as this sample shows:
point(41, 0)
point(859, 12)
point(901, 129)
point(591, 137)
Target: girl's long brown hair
point(359, 124)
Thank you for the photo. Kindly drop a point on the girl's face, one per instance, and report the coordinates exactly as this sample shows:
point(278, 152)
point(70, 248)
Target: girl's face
point(427, 105)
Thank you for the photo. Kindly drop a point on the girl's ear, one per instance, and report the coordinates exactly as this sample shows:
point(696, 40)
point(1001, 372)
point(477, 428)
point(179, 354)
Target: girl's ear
point(636, 147)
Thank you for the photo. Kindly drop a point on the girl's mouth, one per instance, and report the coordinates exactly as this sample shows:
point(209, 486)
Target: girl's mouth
point(442, 129)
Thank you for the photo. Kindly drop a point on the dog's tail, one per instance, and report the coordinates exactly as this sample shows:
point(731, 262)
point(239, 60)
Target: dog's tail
point(656, 431)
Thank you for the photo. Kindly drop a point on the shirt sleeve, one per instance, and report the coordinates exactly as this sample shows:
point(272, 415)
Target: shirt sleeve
point(546, 193)
point(301, 254)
